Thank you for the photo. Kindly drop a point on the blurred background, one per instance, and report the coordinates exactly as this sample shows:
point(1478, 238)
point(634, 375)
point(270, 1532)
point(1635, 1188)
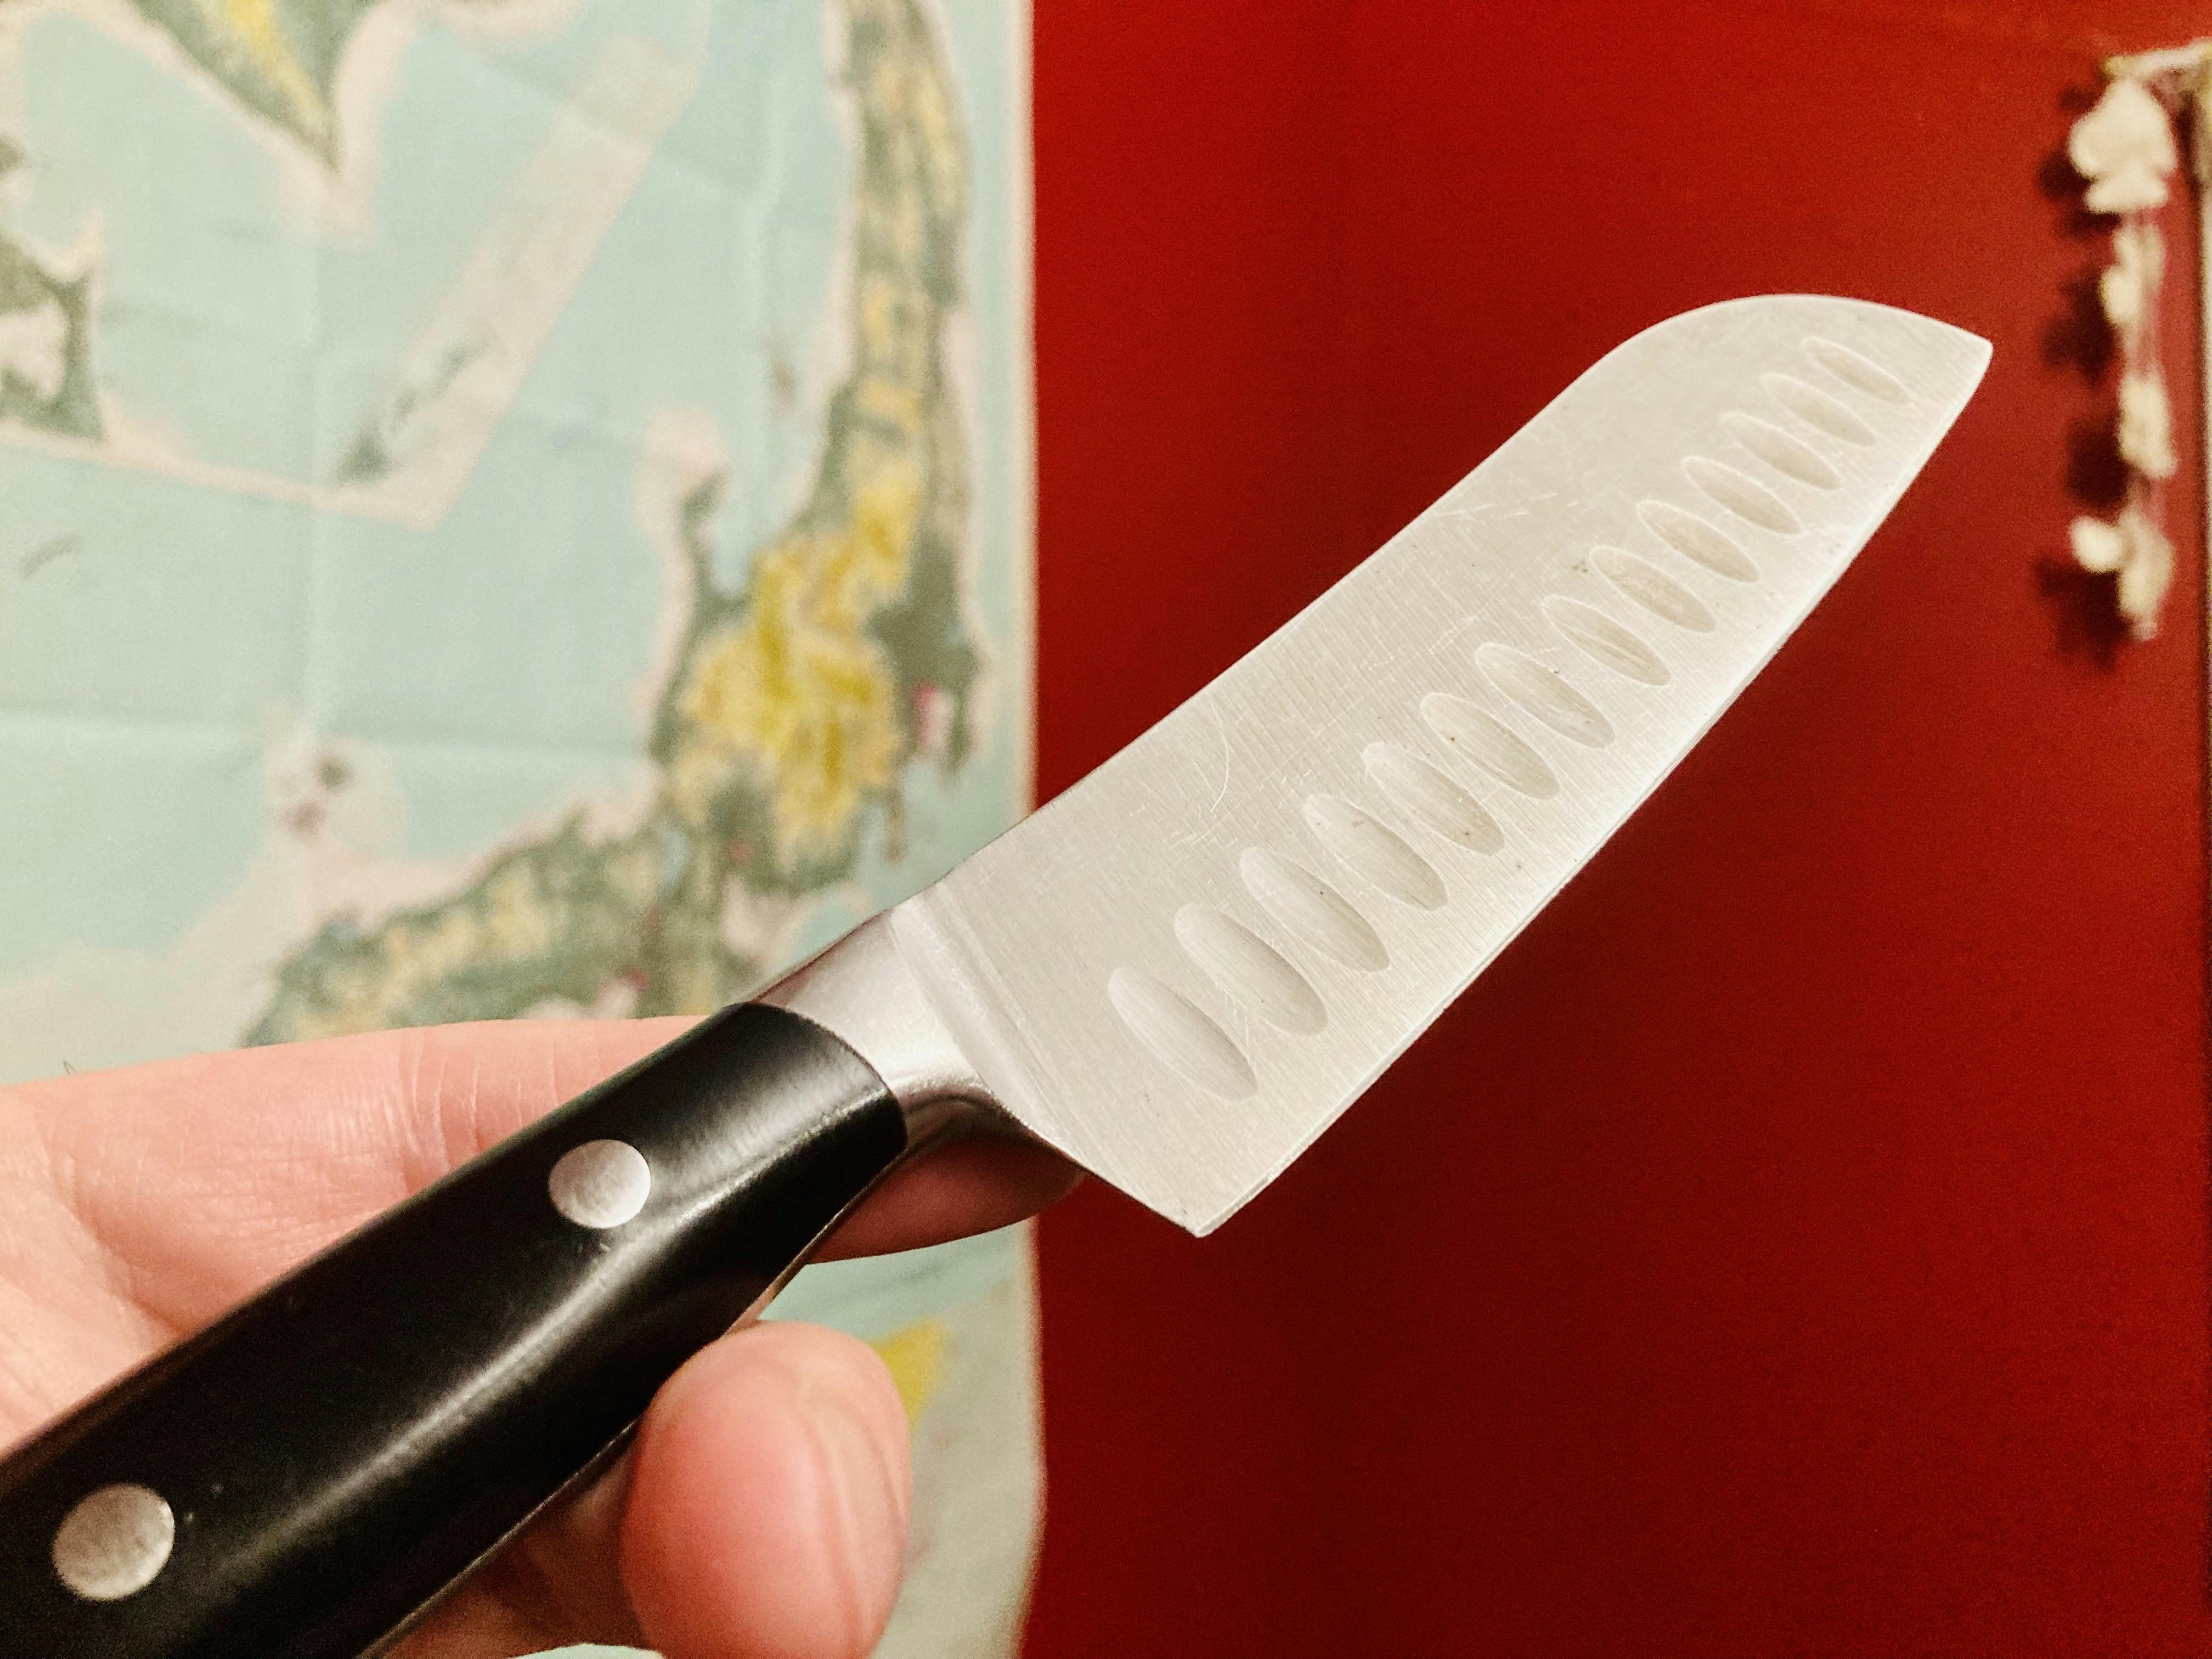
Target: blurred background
point(1796, 1243)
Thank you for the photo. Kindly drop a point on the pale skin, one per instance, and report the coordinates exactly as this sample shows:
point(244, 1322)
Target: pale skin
point(762, 1511)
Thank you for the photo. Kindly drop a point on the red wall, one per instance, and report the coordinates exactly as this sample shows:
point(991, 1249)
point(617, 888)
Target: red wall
point(1797, 1243)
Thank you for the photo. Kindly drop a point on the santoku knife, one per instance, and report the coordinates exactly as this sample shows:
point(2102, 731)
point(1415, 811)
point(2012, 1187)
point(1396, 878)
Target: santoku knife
point(1177, 973)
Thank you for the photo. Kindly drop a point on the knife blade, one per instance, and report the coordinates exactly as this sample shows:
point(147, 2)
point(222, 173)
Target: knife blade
point(1177, 974)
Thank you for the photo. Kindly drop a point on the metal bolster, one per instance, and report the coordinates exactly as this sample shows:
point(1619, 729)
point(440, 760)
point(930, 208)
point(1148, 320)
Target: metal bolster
point(862, 992)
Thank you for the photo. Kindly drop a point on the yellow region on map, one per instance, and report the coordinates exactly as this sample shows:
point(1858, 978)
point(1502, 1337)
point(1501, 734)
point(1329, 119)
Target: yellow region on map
point(914, 1356)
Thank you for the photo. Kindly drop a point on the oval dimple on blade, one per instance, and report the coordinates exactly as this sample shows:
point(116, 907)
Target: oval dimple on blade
point(1250, 970)
point(1179, 1036)
point(1311, 909)
point(1487, 742)
point(1857, 372)
point(1427, 794)
point(1779, 450)
point(1818, 409)
point(1653, 588)
point(1545, 695)
point(1742, 495)
point(1697, 541)
point(1605, 642)
point(1373, 850)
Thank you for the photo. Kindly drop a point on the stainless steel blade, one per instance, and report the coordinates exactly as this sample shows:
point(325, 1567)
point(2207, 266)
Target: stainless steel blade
point(1183, 969)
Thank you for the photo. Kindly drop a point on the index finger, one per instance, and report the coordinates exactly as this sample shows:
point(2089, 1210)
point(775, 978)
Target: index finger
point(215, 1173)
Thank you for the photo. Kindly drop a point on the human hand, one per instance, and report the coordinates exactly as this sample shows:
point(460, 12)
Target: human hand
point(763, 1508)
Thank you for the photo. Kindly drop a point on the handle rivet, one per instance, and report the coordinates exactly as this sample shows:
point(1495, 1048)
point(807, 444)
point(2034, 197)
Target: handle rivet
point(601, 1183)
point(115, 1543)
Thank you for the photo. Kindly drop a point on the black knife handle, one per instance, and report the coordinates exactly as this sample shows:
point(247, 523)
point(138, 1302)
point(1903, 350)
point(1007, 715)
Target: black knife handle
point(335, 1452)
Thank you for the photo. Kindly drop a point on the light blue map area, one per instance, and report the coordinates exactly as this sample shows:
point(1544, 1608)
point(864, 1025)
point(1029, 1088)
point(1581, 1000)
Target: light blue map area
point(519, 507)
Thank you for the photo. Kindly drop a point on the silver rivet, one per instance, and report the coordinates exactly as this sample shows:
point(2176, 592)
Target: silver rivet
point(115, 1543)
point(601, 1183)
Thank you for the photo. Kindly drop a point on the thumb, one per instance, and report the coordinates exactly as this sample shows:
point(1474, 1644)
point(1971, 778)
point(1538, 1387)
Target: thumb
point(768, 1500)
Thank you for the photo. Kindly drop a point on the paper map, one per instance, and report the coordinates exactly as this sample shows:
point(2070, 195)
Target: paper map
point(521, 507)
